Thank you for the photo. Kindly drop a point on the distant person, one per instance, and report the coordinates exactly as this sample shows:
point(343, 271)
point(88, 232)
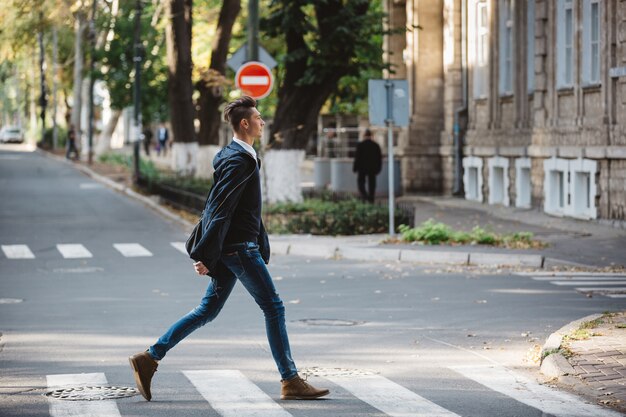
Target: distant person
point(368, 162)
point(233, 247)
point(162, 137)
point(71, 143)
point(147, 139)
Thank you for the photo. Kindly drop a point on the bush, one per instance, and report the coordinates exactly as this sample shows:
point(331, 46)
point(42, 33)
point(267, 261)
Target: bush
point(320, 217)
point(433, 233)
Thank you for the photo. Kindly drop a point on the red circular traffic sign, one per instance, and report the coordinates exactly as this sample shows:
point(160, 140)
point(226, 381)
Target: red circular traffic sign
point(254, 79)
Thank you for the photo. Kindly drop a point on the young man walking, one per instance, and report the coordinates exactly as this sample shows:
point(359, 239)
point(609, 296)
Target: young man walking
point(234, 247)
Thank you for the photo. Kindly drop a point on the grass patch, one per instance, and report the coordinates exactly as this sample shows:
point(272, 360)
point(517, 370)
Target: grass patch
point(436, 233)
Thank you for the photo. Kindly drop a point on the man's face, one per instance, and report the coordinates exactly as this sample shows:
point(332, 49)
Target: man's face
point(254, 126)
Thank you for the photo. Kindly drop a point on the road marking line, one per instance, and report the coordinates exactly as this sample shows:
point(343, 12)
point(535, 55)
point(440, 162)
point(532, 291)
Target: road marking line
point(571, 274)
point(180, 246)
point(522, 389)
point(389, 397)
point(132, 250)
point(615, 295)
point(573, 283)
point(60, 408)
point(582, 278)
point(73, 251)
point(231, 394)
point(17, 252)
point(90, 186)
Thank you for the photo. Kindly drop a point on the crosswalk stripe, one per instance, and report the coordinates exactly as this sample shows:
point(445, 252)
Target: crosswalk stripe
point(615, 295)
point(132, 250)
point(571, 274)
point(60, 408)
point(522, 389)
point(574, 283)
point(17, 252)
point(74, 251)
point(180, 246)
point(582, 278)
point(389, 397)
point(231, 394)
point(602, 289)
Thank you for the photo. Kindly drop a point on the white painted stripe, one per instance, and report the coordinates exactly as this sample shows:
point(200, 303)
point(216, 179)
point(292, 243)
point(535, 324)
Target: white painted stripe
point(571, 274)
point(60, 408)
point(616, 295)
point(524, 390)
point(74, 250)
point(132, 250)
point(255, 80)
point(389, 397)
point(602, 289)
point(90, 186)
point(180, 246)
point(573, 283)
point(231, 394)
point(17, 252)
point(582, 278)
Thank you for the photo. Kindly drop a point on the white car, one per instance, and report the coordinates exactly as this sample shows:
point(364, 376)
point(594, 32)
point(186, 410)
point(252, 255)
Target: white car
point(11, 134)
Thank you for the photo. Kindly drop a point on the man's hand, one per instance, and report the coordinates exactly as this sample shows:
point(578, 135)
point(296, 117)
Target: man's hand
point(200, 268)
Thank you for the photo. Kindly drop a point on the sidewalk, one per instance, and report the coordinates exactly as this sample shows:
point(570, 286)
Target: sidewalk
point(588, 356)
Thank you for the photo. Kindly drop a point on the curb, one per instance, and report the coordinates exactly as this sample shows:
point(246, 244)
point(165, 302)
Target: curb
point(430, 257)
point(555, 365)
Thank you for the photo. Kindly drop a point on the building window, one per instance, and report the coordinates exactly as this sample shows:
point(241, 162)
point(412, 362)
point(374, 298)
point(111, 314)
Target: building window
point(499, 180)
point(473, 178)
point(530, 45)
point(481, 61)
point(522, 183)
point(506, 47)
point(591, 42)
point(565, 43)
point(570, 187)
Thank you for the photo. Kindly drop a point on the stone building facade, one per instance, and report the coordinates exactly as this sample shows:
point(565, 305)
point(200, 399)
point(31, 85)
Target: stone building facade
point(533, 92)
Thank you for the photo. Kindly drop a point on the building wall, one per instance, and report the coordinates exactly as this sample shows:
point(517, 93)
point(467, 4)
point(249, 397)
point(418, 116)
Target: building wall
point(569, 120)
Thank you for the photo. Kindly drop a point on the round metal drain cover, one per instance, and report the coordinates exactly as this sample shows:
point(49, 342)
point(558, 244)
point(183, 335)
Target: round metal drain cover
point(331, 372)
point(92, 393)
point(329, 322)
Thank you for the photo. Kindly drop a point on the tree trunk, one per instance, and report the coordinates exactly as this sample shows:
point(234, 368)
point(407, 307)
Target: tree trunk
point(180, 89)
point(104, 142)
point(78, 72)
point(211, 86)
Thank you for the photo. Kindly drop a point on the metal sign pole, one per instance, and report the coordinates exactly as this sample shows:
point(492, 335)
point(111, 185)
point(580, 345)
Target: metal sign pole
point(390, 164)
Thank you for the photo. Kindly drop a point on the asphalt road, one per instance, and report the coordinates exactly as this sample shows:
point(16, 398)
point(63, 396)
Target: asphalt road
point(387, 339)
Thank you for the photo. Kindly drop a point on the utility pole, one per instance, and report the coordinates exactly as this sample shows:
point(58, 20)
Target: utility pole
point(55, 71)
point(138, 47)
point(43, 102)
point(92, 40)
point(253, 31)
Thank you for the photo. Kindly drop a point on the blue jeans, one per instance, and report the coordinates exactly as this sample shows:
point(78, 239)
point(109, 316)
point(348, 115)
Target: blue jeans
point(240, 261)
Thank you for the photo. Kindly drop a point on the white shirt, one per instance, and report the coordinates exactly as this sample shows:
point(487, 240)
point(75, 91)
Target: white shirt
point(247, 147)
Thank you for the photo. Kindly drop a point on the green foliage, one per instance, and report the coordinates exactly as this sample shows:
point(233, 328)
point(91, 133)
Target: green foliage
point(320, 217)
point(435, 233)
point(117, 65)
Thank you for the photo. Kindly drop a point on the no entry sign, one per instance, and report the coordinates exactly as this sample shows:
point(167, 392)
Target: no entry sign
point(254, 79)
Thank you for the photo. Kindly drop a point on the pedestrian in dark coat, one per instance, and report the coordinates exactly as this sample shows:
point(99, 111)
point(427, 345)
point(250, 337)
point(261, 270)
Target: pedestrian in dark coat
point(368, 162)
point(234, 247)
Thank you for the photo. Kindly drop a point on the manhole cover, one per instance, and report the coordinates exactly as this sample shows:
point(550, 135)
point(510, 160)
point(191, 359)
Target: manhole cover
point(92, 393)
point(329, 322)
point(335, 372)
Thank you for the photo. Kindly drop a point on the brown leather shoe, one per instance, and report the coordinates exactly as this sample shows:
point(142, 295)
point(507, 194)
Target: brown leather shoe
point(144, 366)
point(298, 389)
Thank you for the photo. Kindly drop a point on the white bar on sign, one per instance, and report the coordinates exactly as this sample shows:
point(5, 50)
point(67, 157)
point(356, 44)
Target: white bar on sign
point(231, 394)
point(132, 250)
point(60, 408)
point(73, 251)
point(255, 80)
point(524, 390)
point(17, 252)
point(180, 246)
point(389, 397)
